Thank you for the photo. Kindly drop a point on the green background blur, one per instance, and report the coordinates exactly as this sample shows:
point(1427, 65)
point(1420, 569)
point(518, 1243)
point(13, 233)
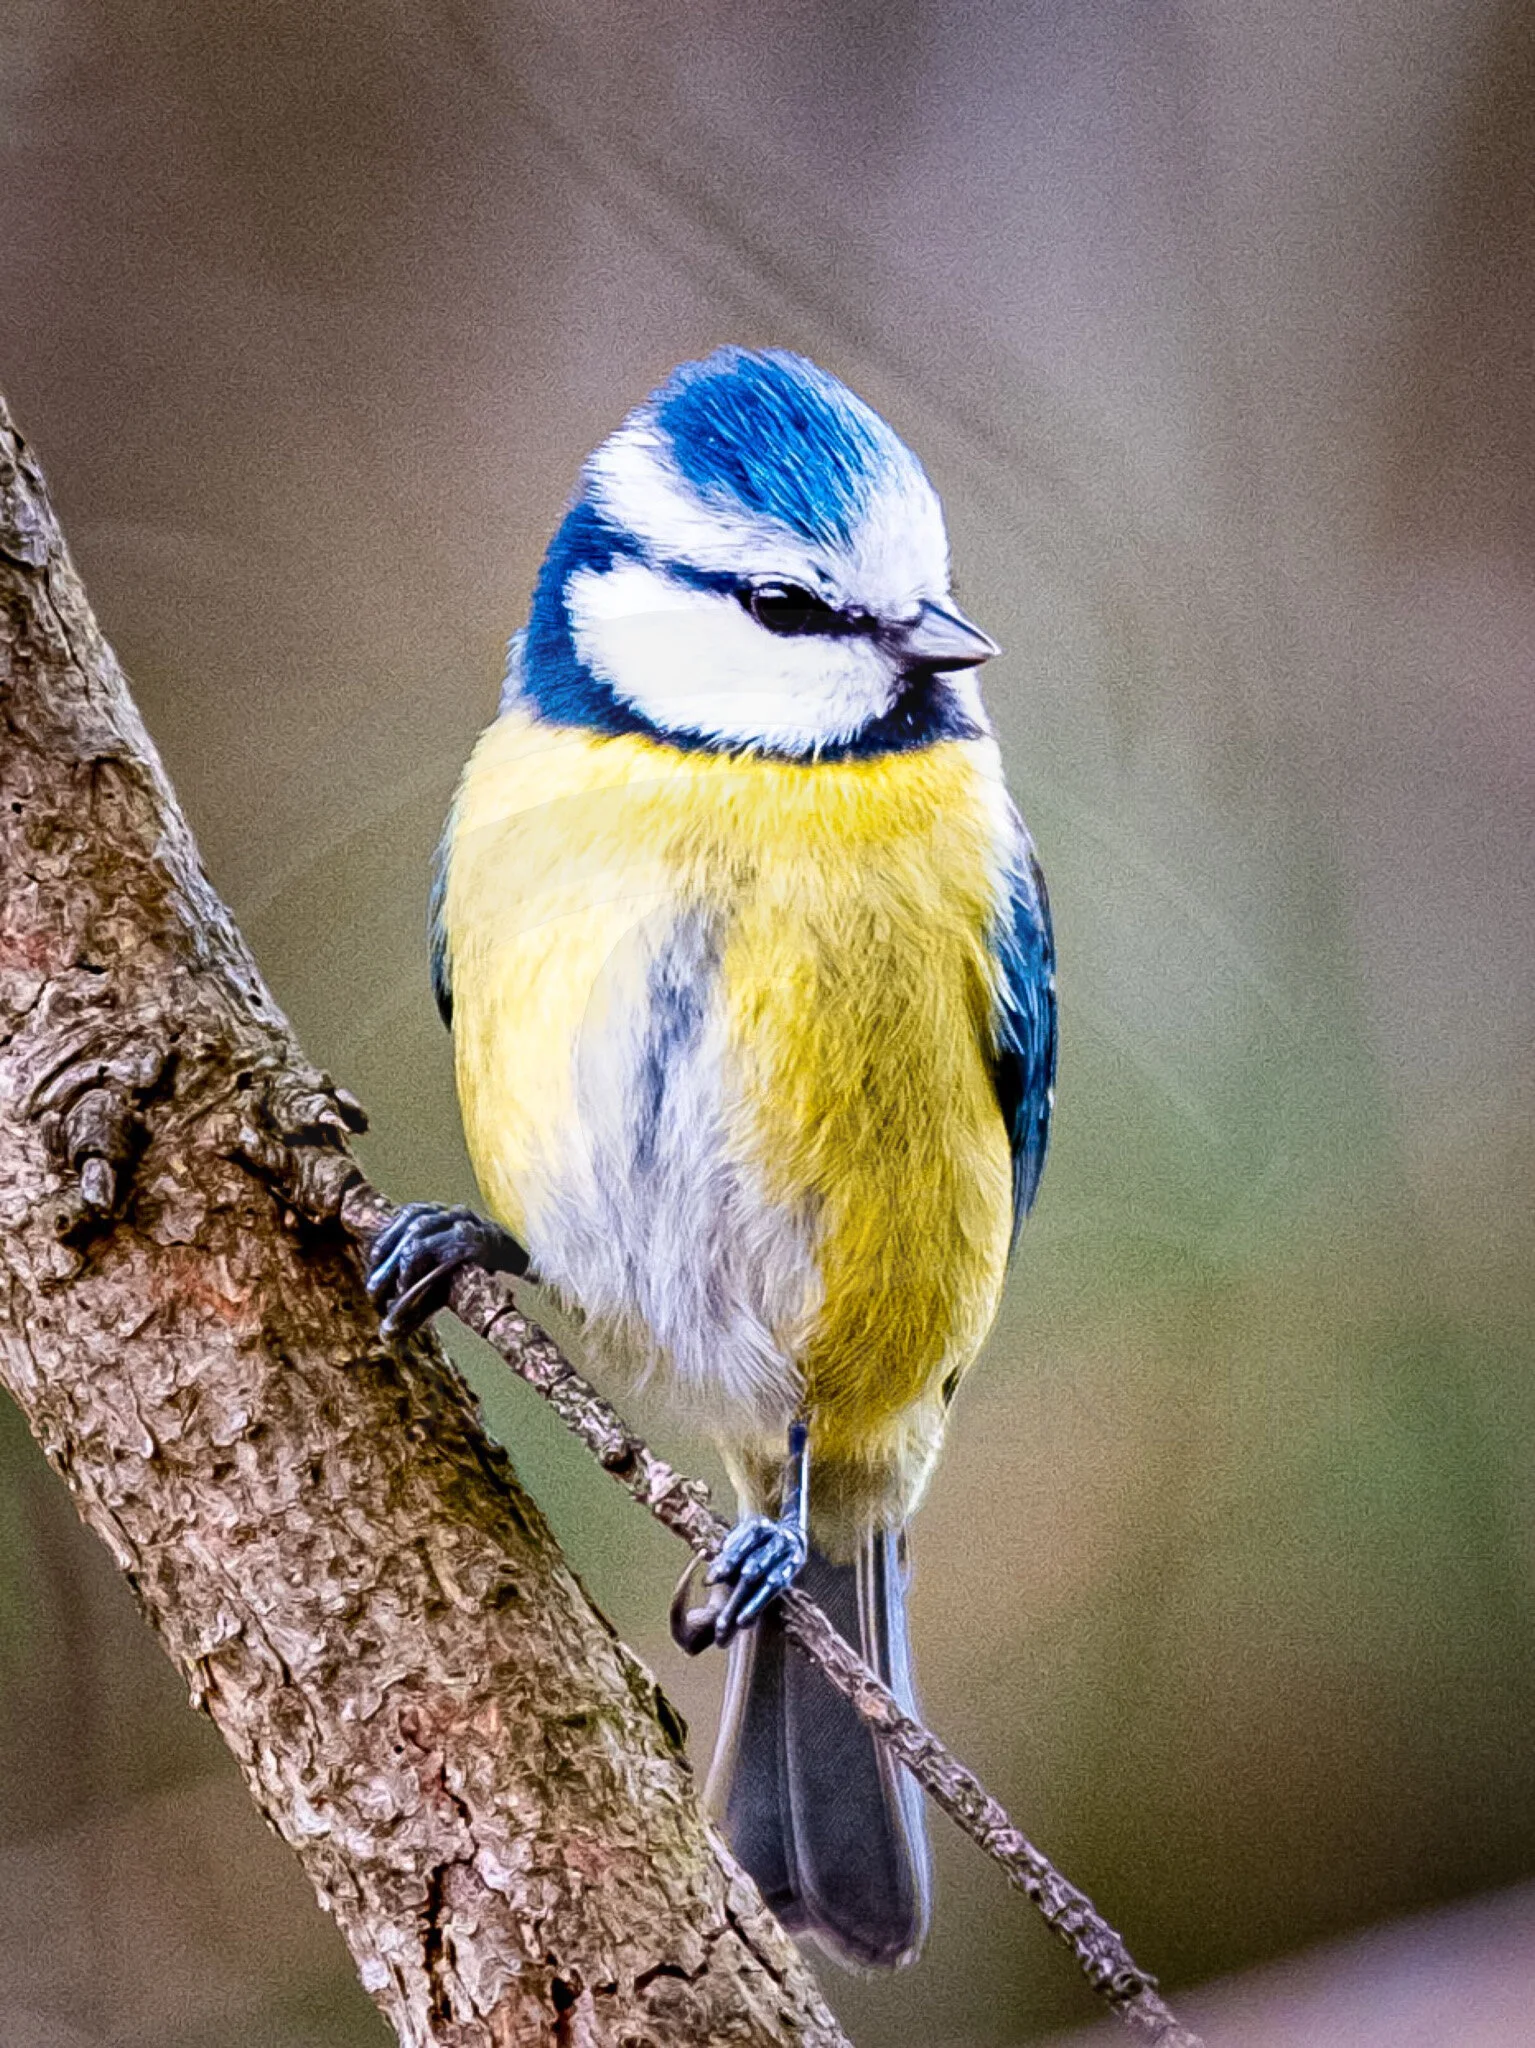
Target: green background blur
point(1215, 325)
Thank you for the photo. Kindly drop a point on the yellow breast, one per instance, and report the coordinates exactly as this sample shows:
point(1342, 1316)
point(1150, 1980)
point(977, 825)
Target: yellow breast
point(851, 1001)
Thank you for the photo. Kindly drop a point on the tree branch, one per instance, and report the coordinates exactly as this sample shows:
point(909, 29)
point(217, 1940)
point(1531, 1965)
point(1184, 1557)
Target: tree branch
point(483, 1785)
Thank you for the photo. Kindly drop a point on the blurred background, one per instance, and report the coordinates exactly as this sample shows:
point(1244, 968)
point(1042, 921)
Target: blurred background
point(1215, 325)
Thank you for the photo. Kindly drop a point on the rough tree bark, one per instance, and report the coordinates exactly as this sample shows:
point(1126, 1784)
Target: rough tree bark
point(484, 1786)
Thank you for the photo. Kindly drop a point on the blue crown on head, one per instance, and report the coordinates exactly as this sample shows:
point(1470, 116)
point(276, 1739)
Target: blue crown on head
point(776, 436)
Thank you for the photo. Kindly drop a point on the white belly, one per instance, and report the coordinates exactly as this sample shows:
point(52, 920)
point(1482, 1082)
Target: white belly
point(646, 1216)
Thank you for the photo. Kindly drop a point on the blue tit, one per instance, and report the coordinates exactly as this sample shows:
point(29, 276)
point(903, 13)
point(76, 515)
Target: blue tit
point(749, 966)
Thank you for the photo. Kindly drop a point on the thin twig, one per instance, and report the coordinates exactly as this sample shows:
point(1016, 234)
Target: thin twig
point(483, 1303)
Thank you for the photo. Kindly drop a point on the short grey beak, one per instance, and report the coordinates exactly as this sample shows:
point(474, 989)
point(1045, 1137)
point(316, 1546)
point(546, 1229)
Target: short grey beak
point(938, 638)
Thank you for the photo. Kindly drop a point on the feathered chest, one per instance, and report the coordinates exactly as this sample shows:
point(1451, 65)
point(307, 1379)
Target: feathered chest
point(734, 1017)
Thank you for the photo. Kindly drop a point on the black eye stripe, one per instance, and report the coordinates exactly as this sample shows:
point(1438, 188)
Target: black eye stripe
point(789, 609)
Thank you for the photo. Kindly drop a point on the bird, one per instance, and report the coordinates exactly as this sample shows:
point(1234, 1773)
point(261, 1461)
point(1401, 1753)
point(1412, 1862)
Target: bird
point(748, 960)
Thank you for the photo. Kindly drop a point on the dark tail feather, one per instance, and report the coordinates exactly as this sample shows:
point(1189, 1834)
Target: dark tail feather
point(824, 1818)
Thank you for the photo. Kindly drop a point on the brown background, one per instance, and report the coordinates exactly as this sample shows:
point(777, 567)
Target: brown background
point(1216, 327)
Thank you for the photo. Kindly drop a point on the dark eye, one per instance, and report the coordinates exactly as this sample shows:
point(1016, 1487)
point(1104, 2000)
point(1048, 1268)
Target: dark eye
point(786, 608)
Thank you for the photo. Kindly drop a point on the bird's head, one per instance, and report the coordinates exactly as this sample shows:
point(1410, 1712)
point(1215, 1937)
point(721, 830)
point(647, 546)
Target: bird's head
point(755, 561)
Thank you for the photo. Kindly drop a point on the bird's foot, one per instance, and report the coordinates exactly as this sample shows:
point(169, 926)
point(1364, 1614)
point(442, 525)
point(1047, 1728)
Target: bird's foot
point(756, 1562)
point(413, 1259)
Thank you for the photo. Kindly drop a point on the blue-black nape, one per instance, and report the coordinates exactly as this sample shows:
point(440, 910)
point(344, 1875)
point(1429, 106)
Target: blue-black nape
point(772, 434)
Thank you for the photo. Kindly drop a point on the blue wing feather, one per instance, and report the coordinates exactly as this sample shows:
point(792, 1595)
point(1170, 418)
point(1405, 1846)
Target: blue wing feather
point(1024, 1060)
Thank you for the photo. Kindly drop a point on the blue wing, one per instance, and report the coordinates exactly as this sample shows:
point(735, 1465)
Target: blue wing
point(1023, 1063)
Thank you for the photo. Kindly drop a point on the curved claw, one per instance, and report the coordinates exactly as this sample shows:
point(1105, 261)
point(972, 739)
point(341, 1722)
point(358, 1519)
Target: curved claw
point(757, 1561)
point(414, 1257)
point(693, 1627)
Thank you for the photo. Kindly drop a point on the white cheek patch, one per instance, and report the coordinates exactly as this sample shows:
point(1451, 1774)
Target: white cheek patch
point(695, 661)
